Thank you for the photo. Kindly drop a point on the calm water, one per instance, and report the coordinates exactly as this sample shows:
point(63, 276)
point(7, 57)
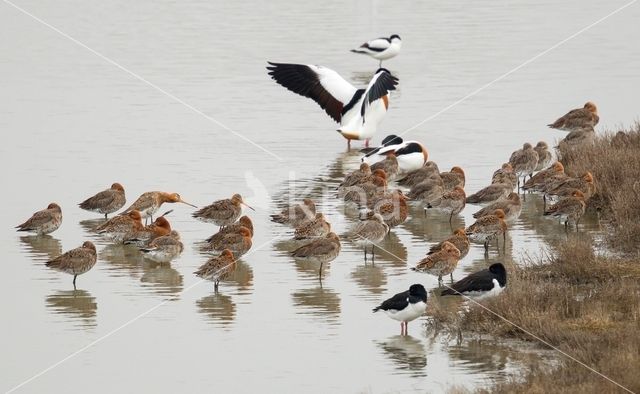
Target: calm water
point(74, 124)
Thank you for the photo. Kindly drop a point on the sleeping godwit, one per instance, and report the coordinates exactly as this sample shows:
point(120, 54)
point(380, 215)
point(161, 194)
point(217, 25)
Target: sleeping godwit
point(428, 190)
point(524, 162)
point(158, 228)
point(505, 175)
point(389, 165)
point(453, 178)
point(578, 118)
point(218, 268)
point(511, 206)
point(569, 209)
point(43, 222)
point(459, 239)
point(296, 214)
point(316, 228)
point(382, 48)
point(481, 284)
point(406, 306)
point(440, 263)
point(119, 227)
point(106, 201)
point(222, 212)
point(370, 232)
point(149, 203)
point(452, 202)
point(565, 187)
point(76, 261)
point(321, 250)
point(487, 228)
point(489, 194)
point(165, 248)
point(356, 176)
point(238, 242)
point(412, 178)
point(539, 180)
point(582, 136)
point(359, 111)
point(545, 157)
point(392, 207)
point(244, 221)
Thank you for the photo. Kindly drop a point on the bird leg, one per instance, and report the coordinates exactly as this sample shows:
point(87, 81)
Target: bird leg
point(215, 286)
point(451, 275)
point(320, 273)
point(366, 143)
point(365, 254)
point(348, 144)
point(74, 281)
point(373, 254)
point(105, 216)
point(450, 218)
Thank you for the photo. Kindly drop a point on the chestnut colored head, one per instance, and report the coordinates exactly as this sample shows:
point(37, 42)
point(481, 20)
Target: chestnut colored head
point(588, 177)
point(542, 145)
point(459, 189)
point(365, 168)
point(450, 249)
point(118, 187)
point(458, 170)
point(507, 167)
point(558, 167)
point(514, 197)
point(591, 107)
point(227, 254)
point(245, 232)
point(175, 197)
point(460, 232)
point(162, 222)
point(578, 194)
point(135, 215)
point(499, 213)
point(245, 221)
point(55, 206)
point(380, 174)
point(333, 236)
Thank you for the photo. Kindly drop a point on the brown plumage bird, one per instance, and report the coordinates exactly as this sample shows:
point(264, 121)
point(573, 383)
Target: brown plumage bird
point(316, 228)
point(459, 239)
point(452, 202)
point(244, 221)
point(218, 268)
point(453, 178)
point(356, 176)
point(321, 250)
point(505, 175)
point(238, 242)
point(430, 189)
point(524, 162)
point(414, 177)
point(106, 201)
point(539, 180)
point(119, 227)
point(569, 209)
point(370, 231)
point(142, 237)
point(76, 261)
point(487, 228)
point(511, 206)
point(565, 187)
point(392, 207)
point(578, 118)
point(222, 212)
point(489, 194)
point(389, 165)
point(164, 249)
point(149, 203)
point(545, 157)
point(43, 222)
point(296, 214)
point(440, 263)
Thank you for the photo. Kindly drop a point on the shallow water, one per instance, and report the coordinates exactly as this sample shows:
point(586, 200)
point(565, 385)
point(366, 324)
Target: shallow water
point(74, 123)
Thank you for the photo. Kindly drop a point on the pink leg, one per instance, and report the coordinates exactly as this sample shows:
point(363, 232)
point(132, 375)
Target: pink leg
point(366, 143)
point(348, 144)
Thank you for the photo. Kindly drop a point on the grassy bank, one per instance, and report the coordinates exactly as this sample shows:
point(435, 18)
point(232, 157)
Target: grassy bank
point(585, 304)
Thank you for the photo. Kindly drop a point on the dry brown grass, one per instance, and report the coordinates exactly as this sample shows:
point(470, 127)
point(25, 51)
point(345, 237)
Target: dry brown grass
point(585, 305)
point(614, 161)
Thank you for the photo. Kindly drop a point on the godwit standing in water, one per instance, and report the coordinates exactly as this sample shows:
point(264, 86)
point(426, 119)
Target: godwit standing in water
point(524, 162)
point(406, 306)
point(459, 239)
point(412, 178)
point(481, 284)
point(578, 118)
point(453, 178)
point(428, 190)
point(440, 263)
point(370, 232)
point(566, 186)
point(218, 268)
point(76, 261)
point(356, 176)
point(545, 157)
point(392, 207)
point(244, 221)
point(505, 175)
point(452, 202)
point(489, 194)
point(149, 203)
point(359, 111)
point(316, 228)
point(321, 250)
point(222, 212)
point(569, 209)
point(511, 206)
point(164, 249)
point(296, 214)
point(43, 222)
point(239, 242)
point(119, 227)
point(160, 227)
point(389, 165)
point(539, 180)
point(488, 227)
point(105, 202)
point(382, 48)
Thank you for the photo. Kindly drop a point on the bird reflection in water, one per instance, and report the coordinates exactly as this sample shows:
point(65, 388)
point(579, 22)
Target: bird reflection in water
point(90, 225)
point(41, 247)
point(481, 355)
point(407, 353)
point(79, 305)
point(123, 259)
point(319, 302)
point(162, 277)
point(217, 308)
point(370, 277)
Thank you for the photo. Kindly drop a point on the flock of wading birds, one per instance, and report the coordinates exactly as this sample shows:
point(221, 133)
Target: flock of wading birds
point(381, 209)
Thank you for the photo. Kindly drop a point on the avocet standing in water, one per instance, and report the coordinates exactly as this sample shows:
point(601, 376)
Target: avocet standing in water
point(359, 111)
point(382, 48)
point(411, 155)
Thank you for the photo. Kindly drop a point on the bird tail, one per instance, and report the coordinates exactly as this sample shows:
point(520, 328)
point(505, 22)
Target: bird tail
point(358, 51)
point(376, 309)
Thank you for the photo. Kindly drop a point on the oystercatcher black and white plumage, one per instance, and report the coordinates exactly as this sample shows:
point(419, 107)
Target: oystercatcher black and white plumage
point(382, 48)
point(359, 111)
point(406, 306)
point(482, 284)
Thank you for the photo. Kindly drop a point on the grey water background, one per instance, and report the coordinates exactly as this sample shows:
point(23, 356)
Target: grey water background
point(73, 124)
